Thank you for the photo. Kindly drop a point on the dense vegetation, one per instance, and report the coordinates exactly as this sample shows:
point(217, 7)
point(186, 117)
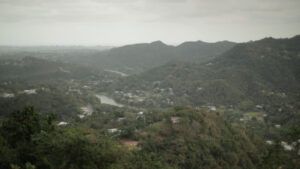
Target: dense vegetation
point(140, 57)
point(264, 72)
point(197, 139)
point(50, 86)
point(207, 105)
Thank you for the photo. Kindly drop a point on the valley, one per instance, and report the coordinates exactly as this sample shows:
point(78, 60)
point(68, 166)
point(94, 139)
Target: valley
point(198, 104)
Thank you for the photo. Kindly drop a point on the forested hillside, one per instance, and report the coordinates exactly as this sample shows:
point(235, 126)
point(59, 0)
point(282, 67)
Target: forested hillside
point(261, 72)
point(149, 84)
point(196, 139)
point(206, 105)
point(49, 86)
point(140, 57)
point(129, 59)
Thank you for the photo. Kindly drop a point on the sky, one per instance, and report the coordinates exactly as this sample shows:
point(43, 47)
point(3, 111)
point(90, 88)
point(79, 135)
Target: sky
point(120, 22)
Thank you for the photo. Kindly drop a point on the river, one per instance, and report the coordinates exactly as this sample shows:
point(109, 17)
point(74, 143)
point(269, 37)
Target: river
point(107, 100)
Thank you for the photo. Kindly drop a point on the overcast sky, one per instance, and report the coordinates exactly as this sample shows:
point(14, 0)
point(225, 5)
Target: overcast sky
point(119, 22)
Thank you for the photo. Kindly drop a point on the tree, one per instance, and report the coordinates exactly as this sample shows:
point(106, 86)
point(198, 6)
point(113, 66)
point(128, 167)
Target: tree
point(20, 126)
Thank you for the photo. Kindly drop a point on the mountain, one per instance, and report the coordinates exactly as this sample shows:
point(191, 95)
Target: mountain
point(259, 72)
point(201, 51)
point(136, 57)
point(205, 105)
point(130, 59)
point(140, 57)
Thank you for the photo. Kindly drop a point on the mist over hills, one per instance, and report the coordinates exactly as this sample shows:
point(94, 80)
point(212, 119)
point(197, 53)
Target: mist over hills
point(141, 57)
point(130, 59)
point(196, 84)
point(198, 73)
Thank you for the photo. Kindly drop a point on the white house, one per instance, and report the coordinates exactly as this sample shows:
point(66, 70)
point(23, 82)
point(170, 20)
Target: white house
point(62, 123)
point(113, 130)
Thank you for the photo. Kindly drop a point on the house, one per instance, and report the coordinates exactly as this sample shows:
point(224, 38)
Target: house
point(259, 106)
point(269, 142)
point(86, 87)
point(81, 116)
point(8, 95)
point(277, 126)
point(212, 108)
point(175, 119)
point(130, 143)
point(121, 119)
point(87, 110)
point(113, 130)
point(30, 91)
point(286, 146)
point(62, 123)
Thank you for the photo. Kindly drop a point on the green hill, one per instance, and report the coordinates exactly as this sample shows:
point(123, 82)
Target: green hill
point(262, 72)
point(140, 57)
point(197, 139)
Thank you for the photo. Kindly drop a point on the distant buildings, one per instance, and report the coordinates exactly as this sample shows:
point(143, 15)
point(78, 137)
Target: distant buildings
point(30, 91)
point(8, 95)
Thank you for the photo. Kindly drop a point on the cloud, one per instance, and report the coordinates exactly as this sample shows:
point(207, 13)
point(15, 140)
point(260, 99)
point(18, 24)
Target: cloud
point(144, 10)
point(140, 20)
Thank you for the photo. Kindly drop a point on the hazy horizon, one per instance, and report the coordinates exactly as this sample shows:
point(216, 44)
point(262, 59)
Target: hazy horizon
point(149, 84)
point(125, 44)
point(121, 22)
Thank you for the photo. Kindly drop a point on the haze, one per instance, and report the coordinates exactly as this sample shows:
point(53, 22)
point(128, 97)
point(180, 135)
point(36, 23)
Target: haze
point(119, 22)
